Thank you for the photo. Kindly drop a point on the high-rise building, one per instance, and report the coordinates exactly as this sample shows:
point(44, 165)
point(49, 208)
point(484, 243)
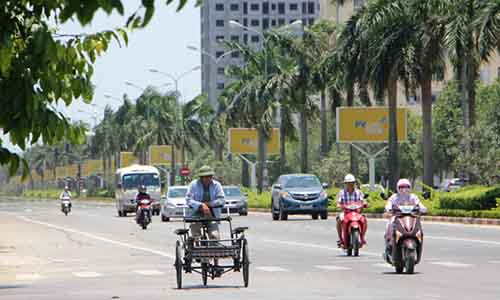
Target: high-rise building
point(259, 15)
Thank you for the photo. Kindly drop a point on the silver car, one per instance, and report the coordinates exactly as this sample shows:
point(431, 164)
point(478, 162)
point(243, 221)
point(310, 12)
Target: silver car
point(236, 201)
point(175, 205)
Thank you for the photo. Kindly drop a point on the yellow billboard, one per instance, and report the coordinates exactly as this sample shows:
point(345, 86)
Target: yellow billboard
point(61, 172)
point(244, 141)
point(72, 170)
point(128, 159)
point(91, 167)
point(368, 124)
point(162, 155)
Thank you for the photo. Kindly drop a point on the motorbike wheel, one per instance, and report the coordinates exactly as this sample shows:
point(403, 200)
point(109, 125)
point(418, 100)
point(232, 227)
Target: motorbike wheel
point(276, 215)
point(246, 263)
point(410, 258)
point(398, 261)
point(349, 252)
point(204, 273)
point(65, 212)
point(178, 264)
point(355, 242)
point(324, 215)
point(283, 215)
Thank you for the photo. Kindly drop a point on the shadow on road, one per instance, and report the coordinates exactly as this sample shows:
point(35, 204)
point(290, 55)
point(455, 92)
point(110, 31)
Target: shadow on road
point(202, 287)
point(11, 286)
point(403, 274)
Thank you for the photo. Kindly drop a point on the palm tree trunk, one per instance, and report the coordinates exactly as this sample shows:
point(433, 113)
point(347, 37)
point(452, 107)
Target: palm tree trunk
point(393, 133)
point(262, 156)
point(172, 165)
point(324, 129)
point(464, 92)
point(426, 89)
point(244, 174)
point(352, 151)
point(283, 112)
point(364, 96)
point(303, 142)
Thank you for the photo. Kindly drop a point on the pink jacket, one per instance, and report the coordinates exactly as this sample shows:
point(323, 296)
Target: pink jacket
point(397, 199)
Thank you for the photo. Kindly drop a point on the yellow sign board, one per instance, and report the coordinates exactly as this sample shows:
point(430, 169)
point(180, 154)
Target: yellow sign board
point(368, 124)
point(91, 167)
point(61, 172)
point(128, 159)
point(244, 141)
point(72, 170)
point(162, 155)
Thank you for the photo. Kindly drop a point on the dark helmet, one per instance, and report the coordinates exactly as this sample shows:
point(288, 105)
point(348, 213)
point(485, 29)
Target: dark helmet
point(142, 188)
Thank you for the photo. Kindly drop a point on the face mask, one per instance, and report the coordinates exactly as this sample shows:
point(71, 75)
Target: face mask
point(404, 190)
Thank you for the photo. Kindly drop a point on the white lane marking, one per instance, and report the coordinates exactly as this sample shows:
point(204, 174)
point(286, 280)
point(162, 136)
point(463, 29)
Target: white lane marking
point(96, 237)
point(149, 272)
point(382, 265)
point(272, 269)
point(333, 268)
point(494, 261)
point(451, 264)
point(455, 239)
point(306, 245)
point(31, 276)
point(87, 274)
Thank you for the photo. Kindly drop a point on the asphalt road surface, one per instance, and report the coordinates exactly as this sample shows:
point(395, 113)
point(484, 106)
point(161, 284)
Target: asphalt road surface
point(93, 254)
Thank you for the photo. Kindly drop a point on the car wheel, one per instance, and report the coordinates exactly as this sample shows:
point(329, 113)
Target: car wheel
point(315, 216)
point(275, 214)
point(324, 215)
point(243, 213)
point(283, 214)
point(164, 219)
point(120, 214)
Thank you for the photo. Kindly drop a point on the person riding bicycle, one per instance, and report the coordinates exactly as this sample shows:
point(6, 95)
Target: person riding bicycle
point(403, 197)
point(345, 197)
point(65, 195)
point(205, 197)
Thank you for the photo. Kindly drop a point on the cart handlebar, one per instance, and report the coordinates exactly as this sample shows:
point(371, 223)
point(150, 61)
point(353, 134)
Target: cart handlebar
point(204, 220)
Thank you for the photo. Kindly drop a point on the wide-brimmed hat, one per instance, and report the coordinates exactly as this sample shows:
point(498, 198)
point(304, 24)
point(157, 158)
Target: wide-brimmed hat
point(206, 171)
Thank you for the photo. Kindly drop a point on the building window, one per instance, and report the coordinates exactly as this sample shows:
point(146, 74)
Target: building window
point(220, 71)
point(219, 54)
point(265, 23)
point(294, 6)
point(254, 6)
point(220, 85)
point(245, 39)
point(255, 22)
point(219, 7)
point(245, 22)
point(235, 38)
point(310, 6)
point(281, 8)
point(358, 4)
point(265, 8)
point(304, 8)
point(255, 38)
point(235, 7)
point(235, 54)
point(311, 21)
point(281, 22)
point(273, 6)
point(273, 22)
point(245, 8)
point(219, 38)
point(219, 23)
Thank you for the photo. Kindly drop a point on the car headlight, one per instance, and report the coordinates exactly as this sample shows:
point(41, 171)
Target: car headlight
point(285, 195)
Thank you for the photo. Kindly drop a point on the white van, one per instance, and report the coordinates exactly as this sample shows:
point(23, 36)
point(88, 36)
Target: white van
point(128, 181)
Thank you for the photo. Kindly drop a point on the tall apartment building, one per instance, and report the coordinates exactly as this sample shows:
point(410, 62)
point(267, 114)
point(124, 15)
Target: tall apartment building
point(257, 14)
point(331, 10)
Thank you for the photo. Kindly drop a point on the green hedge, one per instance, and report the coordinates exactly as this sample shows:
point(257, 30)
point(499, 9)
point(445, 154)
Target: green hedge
point(470, 198)
point(489, 214)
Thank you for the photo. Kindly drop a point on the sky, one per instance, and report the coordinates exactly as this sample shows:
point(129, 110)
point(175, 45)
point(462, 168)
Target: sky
point(161, 45)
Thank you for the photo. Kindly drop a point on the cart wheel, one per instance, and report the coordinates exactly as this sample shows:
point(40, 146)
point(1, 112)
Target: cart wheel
point(245, 263)
point(204, 273)
point(178, 264)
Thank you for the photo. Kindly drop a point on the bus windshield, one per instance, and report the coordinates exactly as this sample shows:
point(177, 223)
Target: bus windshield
point(133, 181)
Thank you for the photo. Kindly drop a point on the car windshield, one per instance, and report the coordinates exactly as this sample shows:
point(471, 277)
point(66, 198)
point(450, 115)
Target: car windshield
point(232, 192)
point(133, 181)
point(302, 182)
point(177, 193)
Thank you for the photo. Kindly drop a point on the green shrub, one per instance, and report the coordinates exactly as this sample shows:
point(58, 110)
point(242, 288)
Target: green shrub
point(470, 198)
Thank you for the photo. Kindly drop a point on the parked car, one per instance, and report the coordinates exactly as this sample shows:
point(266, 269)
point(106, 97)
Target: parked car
point(174, 205)
point(236, 201)
point(452, 184)
point(299, 194)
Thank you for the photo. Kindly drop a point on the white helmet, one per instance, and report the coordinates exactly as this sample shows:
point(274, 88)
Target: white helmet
point(403, 182)
point(349, 178)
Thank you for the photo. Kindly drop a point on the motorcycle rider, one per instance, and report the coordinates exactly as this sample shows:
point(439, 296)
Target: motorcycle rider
point(205, 196)
point(141, 195)
point(349, 194)
point(65, 194)
point(403, 197)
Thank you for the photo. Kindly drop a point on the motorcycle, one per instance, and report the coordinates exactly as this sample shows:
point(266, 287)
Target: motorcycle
point(405, 251)
point(65, 205)
point(353, 227)
point(143, 217)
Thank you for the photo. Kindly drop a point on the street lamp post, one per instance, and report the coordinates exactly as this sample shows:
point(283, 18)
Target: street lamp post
point(178, 115)
point(260, 133)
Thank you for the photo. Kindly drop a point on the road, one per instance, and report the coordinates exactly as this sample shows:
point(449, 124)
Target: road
point(93, 254)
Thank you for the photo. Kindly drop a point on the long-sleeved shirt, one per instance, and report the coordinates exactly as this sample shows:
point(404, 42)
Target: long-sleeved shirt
point(195, 197)
point(411, 199)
